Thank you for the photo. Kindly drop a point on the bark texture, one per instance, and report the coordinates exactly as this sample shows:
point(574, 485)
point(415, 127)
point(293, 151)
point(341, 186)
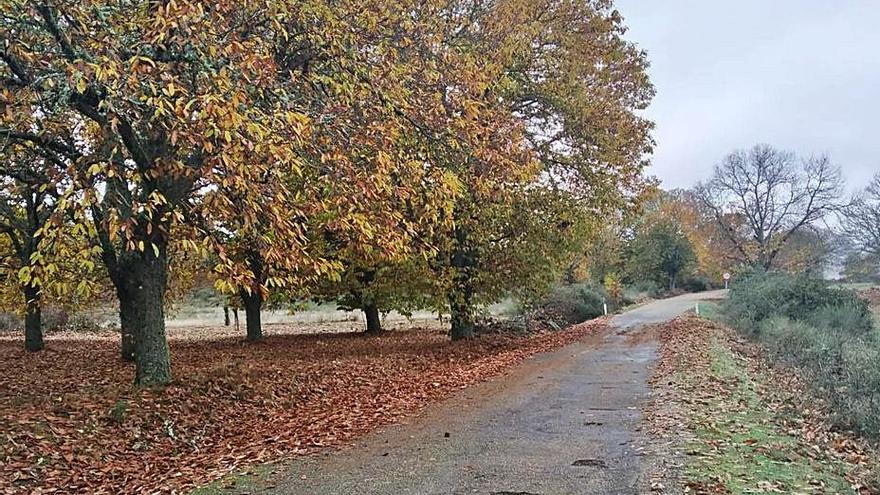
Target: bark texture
point(140, 279)
point(461, 296)
point(374, 321)
point(33, 331)
point(253, 304)
point(126, 329)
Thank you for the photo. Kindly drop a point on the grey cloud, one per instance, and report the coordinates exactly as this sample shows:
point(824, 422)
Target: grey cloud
point(802, 75)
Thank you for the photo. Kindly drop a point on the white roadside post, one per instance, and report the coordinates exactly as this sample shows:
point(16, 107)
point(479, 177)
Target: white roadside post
point(697, 308)
point(726, 279)
point(605, 308)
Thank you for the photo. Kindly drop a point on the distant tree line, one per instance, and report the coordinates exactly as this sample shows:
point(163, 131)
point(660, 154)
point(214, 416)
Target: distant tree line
point(763, 209)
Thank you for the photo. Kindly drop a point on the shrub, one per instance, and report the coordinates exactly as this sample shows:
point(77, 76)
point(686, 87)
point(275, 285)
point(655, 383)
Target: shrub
point(79, 322)
point(845, 368)
point(857, 395)
point(613, 288)
point(9, 322)
point(53, 319)
point(570, 304)
point(641, 291)
point(854, 320)
point(790, 340)
point(827, 333)
point(759, 296)
point(696, 284)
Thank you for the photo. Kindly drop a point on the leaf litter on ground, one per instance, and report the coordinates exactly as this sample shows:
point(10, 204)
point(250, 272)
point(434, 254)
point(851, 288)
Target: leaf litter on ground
point(72, 422)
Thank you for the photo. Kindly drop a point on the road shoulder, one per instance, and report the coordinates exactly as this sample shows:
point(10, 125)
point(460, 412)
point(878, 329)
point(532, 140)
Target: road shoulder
point(723, 421)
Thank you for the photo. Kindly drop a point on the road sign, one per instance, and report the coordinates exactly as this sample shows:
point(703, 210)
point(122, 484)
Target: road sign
point(726, 276)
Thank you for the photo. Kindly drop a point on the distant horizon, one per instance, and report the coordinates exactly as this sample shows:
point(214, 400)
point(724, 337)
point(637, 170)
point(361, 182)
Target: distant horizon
point(799, 75)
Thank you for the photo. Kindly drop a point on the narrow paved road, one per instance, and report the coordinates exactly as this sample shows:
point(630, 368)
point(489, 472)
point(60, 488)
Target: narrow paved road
point(562, 423)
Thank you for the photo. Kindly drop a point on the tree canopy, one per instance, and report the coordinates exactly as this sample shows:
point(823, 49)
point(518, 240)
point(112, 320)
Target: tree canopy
point(762, 197)
point(317, 150)
point(861, 219)
point(661, 250)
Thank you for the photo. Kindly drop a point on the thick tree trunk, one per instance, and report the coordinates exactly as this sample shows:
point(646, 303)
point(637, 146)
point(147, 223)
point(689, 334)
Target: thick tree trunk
point(33, 331)
point(374, 322)
point(253, 303)
point(461, 305)
point(142, 288)
point(364, 298)
point(461, 315)
point(672, 282)
point(126, 326)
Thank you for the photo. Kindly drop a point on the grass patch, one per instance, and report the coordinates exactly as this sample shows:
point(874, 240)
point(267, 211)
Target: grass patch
point(710, 310)
point(245, 481)
point(742, 446)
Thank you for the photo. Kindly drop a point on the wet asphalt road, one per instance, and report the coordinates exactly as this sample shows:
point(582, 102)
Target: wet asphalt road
point(562, 423)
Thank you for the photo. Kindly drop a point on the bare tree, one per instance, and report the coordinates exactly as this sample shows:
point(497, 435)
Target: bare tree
point(760, 198)
point(861, 220)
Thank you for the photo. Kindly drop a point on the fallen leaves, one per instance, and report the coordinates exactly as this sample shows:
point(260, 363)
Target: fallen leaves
point(872, 295)
point(73, 423)
point(741, 425)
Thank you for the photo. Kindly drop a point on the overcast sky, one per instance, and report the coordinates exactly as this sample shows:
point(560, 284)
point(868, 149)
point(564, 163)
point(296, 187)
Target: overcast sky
point(802, 75)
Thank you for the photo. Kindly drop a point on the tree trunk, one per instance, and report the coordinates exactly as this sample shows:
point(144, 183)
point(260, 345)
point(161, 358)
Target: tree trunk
point(462, 315)
point(253, 303)
point(225, 316)
point(33, 331)
point(672, 282)
point(126, 326)
point(365, 299)
point(374, 322)
point(461, 306)
point(143, 290)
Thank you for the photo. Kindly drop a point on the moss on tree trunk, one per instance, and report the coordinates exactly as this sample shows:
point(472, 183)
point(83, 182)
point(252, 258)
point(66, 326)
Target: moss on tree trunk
point(141, 287)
